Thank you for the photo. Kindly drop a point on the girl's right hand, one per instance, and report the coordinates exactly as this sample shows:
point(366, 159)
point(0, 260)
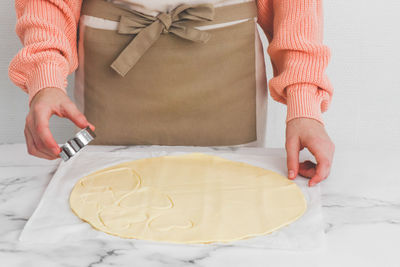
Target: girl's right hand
point(48, 101)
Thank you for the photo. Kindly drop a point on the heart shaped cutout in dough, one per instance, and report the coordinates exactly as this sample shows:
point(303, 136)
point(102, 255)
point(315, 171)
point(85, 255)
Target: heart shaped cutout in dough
point(103, 196)
point(119, 179)
point(121, 218)
point(169, 221)
point(146, 197)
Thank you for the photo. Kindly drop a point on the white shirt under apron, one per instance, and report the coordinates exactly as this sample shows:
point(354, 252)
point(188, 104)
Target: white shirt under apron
point(154, 7)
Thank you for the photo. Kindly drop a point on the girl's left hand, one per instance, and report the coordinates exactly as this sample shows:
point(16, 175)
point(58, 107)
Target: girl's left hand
point(309, 133)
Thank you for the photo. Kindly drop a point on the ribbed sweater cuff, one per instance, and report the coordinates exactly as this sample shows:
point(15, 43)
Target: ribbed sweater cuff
point(303, 101)
point(45, 75)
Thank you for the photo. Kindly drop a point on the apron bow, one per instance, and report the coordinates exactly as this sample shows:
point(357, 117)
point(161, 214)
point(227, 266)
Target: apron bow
point(149, 28)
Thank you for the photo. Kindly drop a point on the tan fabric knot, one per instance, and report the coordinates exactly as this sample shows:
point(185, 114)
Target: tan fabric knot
point(166, 20)
point(149, 28)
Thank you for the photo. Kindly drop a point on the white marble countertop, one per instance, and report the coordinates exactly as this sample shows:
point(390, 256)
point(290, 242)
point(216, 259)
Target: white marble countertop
point(360, 204)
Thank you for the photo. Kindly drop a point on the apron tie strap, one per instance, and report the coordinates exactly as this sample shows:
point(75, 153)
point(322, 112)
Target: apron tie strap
point(149, 28)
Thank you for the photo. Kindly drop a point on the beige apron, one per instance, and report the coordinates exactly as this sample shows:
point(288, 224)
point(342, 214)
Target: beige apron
point(157, 80)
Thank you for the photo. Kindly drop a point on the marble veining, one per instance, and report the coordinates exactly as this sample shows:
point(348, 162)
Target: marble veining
point(360, 205)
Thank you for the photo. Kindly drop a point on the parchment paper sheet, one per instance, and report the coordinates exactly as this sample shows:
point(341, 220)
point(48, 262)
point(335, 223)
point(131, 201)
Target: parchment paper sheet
point(54, 222)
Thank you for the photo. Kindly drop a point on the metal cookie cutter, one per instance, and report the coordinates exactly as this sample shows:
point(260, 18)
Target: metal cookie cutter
point(73, 145)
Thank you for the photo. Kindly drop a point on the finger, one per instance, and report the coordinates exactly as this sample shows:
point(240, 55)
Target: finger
point(42, 136)
point(71, 112)
point(92, 127)
point(321, 173)
point(38, 145)
point(307, 169)
point(292, 151)
point(323, 155)
point(32, 150)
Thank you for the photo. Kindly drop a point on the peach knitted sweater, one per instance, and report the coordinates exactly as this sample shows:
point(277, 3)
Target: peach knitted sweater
point(294, 28)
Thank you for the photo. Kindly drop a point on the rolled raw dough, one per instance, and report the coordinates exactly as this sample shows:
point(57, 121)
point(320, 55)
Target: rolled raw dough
point(190, 198)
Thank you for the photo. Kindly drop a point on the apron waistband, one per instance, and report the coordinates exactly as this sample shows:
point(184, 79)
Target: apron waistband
point(179, 21)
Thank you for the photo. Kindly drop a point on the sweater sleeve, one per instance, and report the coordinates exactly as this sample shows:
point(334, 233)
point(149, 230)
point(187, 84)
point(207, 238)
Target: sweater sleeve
point(294, 29)
point(47, 30)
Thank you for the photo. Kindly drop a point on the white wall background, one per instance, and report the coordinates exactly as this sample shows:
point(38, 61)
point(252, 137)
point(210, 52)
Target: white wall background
point(365, 70)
